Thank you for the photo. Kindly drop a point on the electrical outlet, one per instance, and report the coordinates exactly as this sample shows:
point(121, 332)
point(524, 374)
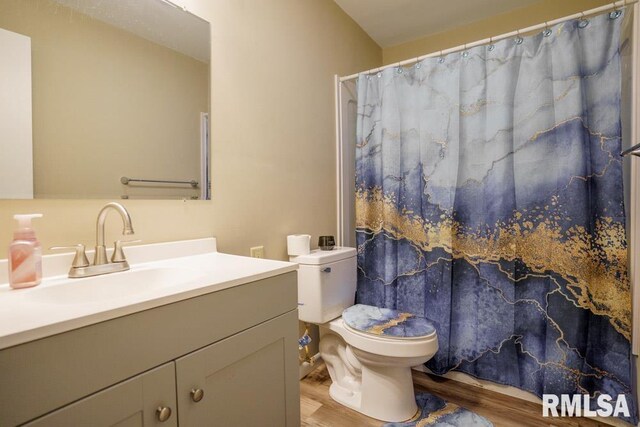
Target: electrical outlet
point(257, 252)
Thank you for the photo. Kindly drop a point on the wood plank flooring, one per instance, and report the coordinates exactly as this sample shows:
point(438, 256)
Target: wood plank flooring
point(319, 410)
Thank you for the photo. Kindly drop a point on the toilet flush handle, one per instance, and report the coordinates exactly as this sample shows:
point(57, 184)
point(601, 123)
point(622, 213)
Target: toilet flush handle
point(326, 270)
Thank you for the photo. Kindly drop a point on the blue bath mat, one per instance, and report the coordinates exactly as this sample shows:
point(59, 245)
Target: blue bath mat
point(434, 411)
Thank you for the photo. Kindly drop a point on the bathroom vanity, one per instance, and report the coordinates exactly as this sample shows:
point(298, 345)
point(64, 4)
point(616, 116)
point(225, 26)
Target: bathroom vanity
point(216, 347)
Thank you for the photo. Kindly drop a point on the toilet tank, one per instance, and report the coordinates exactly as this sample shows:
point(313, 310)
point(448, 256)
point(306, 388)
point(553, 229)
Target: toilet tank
point(326, 283)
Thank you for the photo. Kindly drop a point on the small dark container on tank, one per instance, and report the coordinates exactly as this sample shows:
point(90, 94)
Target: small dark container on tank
point(326, 243)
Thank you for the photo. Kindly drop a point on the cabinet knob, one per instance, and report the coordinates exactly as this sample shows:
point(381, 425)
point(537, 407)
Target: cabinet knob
point(197, 394)
point(163, 413)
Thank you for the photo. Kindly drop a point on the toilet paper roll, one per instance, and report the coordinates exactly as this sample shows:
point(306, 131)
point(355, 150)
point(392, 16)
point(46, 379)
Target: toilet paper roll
point(298, 244)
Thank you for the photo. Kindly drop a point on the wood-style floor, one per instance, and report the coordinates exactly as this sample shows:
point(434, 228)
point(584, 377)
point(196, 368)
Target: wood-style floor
point(319, 410)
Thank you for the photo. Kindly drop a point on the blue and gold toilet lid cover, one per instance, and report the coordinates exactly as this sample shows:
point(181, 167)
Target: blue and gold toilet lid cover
point(386, 322)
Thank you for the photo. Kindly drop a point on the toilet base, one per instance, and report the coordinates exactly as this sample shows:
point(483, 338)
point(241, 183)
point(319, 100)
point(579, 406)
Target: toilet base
point(377, 386)
point(383, 399)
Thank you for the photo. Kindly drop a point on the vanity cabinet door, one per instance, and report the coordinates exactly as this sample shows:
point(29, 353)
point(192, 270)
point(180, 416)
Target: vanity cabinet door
point(249, 379)
point(134, 402)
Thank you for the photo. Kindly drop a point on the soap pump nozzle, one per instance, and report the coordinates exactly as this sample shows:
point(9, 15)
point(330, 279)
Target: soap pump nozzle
point(24, 224)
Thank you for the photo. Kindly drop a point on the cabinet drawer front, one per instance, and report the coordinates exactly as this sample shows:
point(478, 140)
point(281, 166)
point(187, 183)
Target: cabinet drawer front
point(131, 403)
point(249, 379)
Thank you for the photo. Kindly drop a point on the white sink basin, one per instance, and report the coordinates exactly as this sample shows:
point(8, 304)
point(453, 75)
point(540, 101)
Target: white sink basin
point(113, 286)
point(161, 273)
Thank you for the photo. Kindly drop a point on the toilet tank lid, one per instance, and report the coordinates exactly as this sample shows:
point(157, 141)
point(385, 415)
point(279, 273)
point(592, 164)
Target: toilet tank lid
point(318, 256)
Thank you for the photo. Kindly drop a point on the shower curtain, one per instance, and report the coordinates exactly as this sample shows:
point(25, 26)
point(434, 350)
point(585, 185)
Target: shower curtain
point(489, 200)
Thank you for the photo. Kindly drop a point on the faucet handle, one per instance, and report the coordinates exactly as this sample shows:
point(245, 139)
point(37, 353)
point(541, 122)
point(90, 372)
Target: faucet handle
point(118, 253)
point(80, 259)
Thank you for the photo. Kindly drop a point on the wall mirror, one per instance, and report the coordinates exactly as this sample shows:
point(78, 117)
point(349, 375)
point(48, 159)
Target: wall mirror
point(103, 99)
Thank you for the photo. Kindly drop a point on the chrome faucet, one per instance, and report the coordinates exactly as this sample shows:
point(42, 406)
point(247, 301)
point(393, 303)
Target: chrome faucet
point(101, 265)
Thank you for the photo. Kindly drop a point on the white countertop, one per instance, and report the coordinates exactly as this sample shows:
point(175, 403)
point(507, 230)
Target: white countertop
point(26, 316)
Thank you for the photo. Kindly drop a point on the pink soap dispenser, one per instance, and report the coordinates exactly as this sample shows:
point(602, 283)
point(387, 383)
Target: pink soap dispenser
point(25, 254)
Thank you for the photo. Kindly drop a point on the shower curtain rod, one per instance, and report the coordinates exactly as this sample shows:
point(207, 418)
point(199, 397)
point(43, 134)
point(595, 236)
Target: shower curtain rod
point(613, 6)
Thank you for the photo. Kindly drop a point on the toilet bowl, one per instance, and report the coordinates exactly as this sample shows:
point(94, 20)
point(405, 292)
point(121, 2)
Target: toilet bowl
point(372, 374)
point(369, 351)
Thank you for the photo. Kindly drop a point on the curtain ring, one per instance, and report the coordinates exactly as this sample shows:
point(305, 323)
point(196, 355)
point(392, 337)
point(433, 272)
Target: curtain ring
point(465, 52)
point(615, 13)
point(418, 64)
point(491, 45)
point(519, 39)
point(440, 58)
point(583, 22)
point(547, 31)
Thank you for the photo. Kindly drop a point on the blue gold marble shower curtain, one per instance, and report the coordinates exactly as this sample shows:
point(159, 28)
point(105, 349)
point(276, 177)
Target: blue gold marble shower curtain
point(489, 200)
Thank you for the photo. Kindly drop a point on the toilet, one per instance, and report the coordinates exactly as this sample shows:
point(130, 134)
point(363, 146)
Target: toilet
point(369, 351)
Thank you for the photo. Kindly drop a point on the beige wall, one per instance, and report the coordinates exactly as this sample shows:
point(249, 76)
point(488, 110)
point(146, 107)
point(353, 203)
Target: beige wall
point(106, 104)
point(545, 10)
point(273, 143)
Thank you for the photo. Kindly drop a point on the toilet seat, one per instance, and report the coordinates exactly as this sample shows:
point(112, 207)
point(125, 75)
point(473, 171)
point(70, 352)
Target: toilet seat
point(386, 323)
point(374, 337)
point(383, 345)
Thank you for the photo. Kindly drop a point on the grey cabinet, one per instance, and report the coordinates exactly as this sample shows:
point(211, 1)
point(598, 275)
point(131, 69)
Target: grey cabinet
point(140, 401)
point(242, 380)
point(238, 345)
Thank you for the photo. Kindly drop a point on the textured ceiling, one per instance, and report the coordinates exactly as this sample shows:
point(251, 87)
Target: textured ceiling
point(392, 22)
